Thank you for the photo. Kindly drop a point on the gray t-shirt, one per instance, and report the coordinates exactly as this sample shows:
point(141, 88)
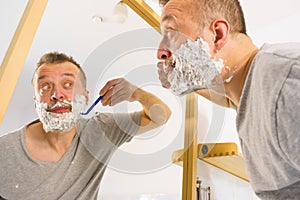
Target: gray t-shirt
point(77, 174)
point(268, 122)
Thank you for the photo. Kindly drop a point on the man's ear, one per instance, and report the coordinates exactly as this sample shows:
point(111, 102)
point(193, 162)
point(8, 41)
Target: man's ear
point(220, 28)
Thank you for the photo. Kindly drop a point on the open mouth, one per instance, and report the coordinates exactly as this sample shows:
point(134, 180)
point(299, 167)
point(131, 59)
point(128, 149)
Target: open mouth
point(173, 63)
point(61, 109)
point(169, 66)
point(170, 63)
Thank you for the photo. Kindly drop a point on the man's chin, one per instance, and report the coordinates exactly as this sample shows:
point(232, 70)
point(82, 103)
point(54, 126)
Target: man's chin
point(59, 122)
point(50, 130)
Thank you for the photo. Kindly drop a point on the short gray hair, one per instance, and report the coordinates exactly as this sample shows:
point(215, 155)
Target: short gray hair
point(56, 58)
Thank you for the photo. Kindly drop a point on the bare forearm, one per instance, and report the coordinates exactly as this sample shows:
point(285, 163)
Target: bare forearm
point(154, 110)
point(154, 113)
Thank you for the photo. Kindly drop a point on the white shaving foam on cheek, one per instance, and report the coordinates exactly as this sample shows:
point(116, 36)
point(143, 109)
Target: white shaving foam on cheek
point(194, 68)
point(60, 121)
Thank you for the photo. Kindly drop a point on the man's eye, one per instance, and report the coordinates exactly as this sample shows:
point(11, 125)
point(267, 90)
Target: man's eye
point(46, 87)
point(170, 33)
point(68, 85)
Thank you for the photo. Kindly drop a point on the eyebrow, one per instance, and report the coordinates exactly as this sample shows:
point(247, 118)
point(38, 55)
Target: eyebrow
point(64, 74)
point(168, 17)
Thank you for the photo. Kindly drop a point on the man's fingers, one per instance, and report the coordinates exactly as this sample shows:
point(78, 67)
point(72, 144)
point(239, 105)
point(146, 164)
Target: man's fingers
point(116, 90)
point(110, 84)
point(107, 96)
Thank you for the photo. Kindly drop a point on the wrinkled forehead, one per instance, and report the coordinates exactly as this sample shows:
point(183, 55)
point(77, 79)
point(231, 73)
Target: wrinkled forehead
point(58, 68)
point(171, 11)
point(56, 71)
point(178, 14)
point(181, 7)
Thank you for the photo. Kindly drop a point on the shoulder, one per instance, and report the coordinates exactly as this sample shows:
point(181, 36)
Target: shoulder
point(10, 137)
point(115, 119)
point(99, 120)
point(287, 109)
point(276, 65)
point(284, 50)
point(10, 144)
point(13, 140)
point(99, 123)
point(273, 65)
point(288, 98)
point(274, 58)
point(270, 74)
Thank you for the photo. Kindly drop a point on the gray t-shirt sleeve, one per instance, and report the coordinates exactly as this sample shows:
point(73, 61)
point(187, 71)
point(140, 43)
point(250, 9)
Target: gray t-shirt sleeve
point(288, 115)
point(102, 134)
point(268, 121)
point(119, 127)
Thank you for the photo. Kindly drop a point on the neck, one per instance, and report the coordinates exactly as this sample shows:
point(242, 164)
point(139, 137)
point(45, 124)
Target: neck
point(238, 61)
point(49, 146)
point(60, 139)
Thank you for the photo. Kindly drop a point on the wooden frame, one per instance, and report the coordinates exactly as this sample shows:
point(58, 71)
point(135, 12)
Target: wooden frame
point(224, 156)
point(17, 52)
point(190, 148)
point(145, 12)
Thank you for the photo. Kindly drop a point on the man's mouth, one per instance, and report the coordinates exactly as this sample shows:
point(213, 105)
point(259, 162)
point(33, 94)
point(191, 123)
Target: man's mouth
point(170, 63)
point(169, 66)
point(61, 109)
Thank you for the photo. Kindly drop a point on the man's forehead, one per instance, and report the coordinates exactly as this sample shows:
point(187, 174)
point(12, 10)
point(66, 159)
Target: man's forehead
point(168, 21)
point(173, 11)
point(58, 68)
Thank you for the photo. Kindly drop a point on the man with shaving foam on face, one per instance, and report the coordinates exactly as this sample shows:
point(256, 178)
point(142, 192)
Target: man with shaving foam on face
point(205, 48)
point(64, 156)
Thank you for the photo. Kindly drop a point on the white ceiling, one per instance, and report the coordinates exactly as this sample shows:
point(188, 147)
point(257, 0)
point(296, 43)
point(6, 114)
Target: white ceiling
point(67, 25)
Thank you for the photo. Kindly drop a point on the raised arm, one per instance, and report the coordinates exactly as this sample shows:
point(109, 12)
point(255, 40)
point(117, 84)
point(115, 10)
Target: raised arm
point(155, 112)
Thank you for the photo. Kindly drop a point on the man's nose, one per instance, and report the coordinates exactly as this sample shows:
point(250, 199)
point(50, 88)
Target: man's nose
point(57, 95)
point(164, 54)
